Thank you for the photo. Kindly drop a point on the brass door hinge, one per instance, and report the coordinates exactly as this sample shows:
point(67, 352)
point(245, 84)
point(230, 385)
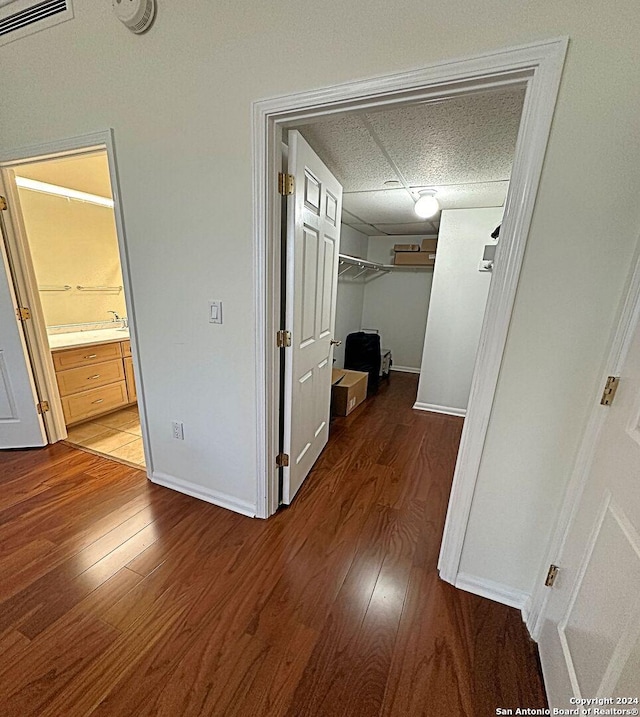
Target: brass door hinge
point(551, 575)
point(285, 184)
point(23, 313)
point(610, 389)
point(43, 407)
point(283, 339)
point(282, 460)
point(3, 204)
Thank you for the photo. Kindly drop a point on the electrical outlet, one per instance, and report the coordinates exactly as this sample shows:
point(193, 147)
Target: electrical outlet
point(177, 429)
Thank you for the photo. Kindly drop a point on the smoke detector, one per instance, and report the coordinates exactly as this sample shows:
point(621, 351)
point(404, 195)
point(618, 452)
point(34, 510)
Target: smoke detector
point(137, 15)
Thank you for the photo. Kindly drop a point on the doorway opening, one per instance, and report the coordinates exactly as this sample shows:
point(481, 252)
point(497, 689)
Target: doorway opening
point(537, 68)
point(374, 289)
point(64, 246)
point(420, 284)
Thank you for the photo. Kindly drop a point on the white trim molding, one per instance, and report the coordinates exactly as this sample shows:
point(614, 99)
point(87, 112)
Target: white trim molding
point(538, 67)
point(493, 591)
point(545, 66)
point(210, 496)
point(433, 408)
point(405, 369)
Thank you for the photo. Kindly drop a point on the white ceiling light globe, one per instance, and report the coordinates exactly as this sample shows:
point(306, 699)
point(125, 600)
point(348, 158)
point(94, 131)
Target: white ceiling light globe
point(427, 206)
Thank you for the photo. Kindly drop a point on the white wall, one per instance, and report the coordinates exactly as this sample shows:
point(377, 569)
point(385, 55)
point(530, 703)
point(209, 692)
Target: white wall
point(397, 303)
point(458, 299)
point(179, 100)
point(350, 297)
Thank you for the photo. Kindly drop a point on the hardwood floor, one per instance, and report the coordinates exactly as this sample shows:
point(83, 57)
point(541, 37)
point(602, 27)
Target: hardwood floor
point(119, 597)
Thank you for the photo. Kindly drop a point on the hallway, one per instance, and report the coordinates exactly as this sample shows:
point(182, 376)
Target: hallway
point(120, 597)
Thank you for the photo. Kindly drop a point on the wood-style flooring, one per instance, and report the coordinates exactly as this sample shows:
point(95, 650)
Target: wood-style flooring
point(119, 597)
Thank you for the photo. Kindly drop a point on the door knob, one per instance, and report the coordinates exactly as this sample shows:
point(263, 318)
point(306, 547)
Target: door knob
point(333, 342)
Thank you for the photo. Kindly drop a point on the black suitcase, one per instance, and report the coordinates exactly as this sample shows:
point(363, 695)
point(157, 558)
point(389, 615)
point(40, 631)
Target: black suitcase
point(362, 353)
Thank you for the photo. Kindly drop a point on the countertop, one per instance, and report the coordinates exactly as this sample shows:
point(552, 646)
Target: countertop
point(86, 338)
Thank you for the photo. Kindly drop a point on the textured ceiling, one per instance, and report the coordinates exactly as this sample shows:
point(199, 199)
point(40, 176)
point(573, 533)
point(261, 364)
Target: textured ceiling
point(461, 147)
point(88, 173)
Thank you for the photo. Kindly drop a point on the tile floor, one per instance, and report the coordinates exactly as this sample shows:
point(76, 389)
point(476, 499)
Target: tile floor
point(117, 435)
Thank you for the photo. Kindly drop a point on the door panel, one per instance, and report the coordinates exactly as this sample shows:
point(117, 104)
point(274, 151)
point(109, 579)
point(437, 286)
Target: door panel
point(20, 424)
point(589, 641)
point(312, 248)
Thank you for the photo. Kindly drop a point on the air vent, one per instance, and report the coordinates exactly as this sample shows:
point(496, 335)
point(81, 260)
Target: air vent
point(25, 17)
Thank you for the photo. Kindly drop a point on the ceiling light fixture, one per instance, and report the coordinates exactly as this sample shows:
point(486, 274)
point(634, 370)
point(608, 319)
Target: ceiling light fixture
point(45, 188)
point(427, 205)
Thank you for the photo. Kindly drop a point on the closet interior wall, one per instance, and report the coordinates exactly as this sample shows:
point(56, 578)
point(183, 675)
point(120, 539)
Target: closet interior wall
point(395, 303)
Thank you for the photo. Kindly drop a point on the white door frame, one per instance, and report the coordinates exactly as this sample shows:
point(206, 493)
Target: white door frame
point(42, 364)
point(620, 341)
point(539, 67)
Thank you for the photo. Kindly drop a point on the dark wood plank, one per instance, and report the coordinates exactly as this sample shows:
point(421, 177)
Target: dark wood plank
point(120, 597)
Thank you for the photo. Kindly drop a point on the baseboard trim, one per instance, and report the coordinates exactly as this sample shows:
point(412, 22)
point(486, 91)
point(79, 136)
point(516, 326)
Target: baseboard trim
point(405, 369)
point(419, 406)
point(210, 496)
point(494, 591)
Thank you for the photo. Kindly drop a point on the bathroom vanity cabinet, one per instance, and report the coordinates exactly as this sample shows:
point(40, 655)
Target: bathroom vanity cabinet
point(94, 379)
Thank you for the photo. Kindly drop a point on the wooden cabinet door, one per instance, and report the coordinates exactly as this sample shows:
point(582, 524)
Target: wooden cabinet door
point(131, 383)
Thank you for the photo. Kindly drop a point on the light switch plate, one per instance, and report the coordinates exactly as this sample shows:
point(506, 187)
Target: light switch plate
point(215, 312)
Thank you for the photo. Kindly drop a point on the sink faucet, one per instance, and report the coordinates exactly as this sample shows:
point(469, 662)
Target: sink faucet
point(124, 319)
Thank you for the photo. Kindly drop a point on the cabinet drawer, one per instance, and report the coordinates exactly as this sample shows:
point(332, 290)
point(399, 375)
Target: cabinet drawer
point(94, 402)
point(81, 379)
point(85, 356)
point(131, 383)
point(126, 348)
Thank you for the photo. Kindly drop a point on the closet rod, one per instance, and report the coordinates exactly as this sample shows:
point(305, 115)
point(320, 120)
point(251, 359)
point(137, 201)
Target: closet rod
point(362, 264)
point(366, 265)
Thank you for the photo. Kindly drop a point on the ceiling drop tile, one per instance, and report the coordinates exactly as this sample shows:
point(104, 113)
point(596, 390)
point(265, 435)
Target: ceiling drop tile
point(387, 205)
point(415, 228)
point(468, 196)
point(462, 147)
point(462, 140)
point(346, 147)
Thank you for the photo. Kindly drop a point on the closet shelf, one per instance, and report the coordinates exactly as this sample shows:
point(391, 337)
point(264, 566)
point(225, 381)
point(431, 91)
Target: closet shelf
point(370, 268)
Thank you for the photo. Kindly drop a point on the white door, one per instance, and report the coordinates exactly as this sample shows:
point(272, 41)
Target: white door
point(313, 244)
point(20, 424)
point(590, 637)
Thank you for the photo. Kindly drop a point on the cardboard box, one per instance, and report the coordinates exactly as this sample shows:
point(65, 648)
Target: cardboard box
point(348, 390)
point(429, 245)
point(406, 247)
point(415, 258)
